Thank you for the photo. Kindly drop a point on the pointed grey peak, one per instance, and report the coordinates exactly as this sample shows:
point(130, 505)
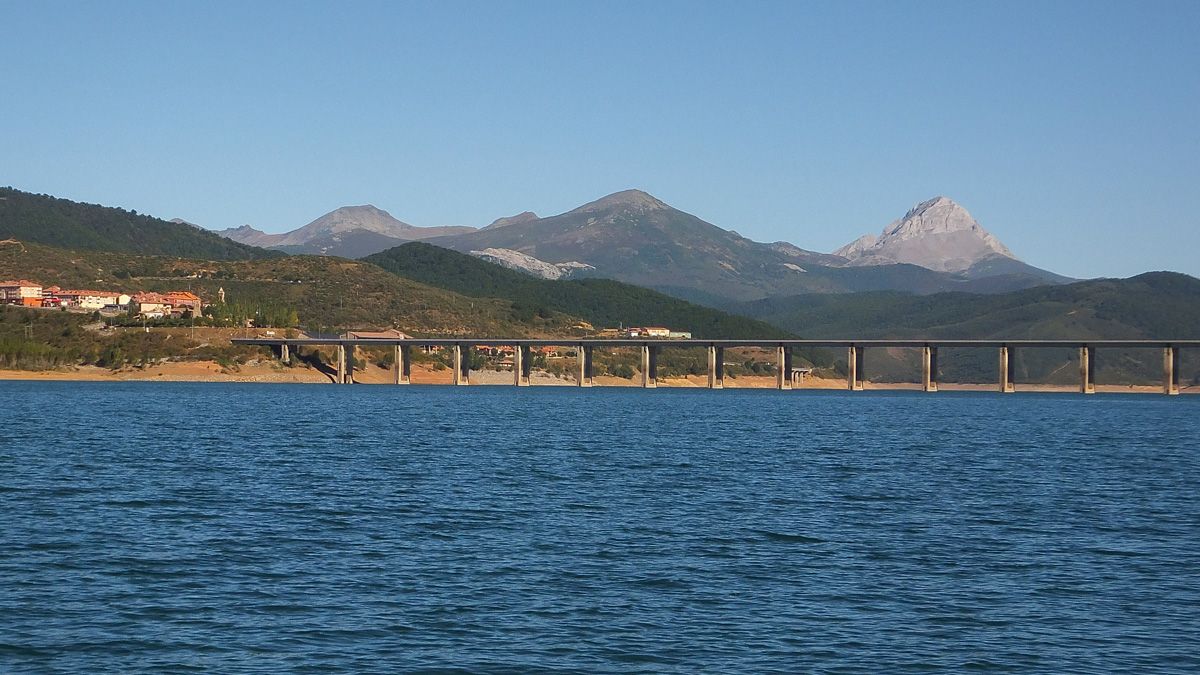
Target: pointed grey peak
point(628, 200)
point(937, 234)
point(181, 221)
point(941, 215)
point(524, 217)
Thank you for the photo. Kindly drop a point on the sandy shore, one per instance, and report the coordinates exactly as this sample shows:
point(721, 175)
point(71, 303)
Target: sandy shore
point(209, 371)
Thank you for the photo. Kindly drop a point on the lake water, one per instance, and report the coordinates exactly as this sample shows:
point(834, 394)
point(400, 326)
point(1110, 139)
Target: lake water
point(267, 528)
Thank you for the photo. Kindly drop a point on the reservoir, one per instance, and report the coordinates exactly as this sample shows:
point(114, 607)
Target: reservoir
point(275, 528)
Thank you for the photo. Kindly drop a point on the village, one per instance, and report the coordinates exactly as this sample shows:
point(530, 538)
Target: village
point(173, 304)
point(185, 304)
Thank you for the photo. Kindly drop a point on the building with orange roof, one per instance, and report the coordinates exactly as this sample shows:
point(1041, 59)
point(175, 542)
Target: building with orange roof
point(21, 292)
point(151, 305)
point(181, 301)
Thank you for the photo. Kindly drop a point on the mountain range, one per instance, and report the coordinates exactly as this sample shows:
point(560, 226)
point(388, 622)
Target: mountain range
point(634, 237)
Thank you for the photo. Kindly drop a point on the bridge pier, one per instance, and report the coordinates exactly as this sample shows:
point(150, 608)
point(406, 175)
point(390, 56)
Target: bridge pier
point(783, 375)
point(403, 364)
point(649, 366)
point(522, 365)
point(1008, 371)
point(462, 364)
point(1171, 370)
point(716, 367)
point(1087, 370)
point(586, 372)
point(929, 368)
point(345, 364)
point(855, 373)
point(285, 352)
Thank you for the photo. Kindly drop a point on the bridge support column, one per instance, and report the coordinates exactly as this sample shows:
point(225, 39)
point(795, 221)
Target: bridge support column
point(586, 373)
point(1171, 370)
point(345, 364)
point(929, 368)
point(1008, 371)
point(522, 365)
point(403, 364)
point(649, 366)
point(1087, 370)
point(462, 364)
point(716, 367)
point(285, 352)
point(855, 373)
point(783, 375)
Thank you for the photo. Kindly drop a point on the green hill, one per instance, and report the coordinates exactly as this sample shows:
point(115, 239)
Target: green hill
point(1156, 305)
point(42, 219)
point(602, 302)
point(328, 294)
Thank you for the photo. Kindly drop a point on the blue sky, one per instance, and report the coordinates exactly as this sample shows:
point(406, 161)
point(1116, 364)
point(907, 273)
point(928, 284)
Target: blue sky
point(1070, 130)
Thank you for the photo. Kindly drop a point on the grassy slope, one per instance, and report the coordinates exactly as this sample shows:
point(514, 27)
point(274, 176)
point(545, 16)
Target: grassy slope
point(602, 302)
point(63, 223)
point(328, 293)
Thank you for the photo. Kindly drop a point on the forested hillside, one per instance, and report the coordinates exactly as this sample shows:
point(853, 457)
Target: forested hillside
point(327, 294)
point(42, 219)
point(1156, 305)
point(602, 302)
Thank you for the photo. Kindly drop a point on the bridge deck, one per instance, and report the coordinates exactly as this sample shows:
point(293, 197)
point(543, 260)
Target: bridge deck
point(585, 342)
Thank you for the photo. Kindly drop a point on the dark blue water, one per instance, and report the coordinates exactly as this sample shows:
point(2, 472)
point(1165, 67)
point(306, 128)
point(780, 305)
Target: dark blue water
point(248, 528)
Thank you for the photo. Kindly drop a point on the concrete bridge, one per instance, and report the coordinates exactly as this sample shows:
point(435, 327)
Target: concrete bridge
point(855, 349)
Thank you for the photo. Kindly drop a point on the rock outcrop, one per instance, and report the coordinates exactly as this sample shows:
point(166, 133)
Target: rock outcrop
point(529, 264)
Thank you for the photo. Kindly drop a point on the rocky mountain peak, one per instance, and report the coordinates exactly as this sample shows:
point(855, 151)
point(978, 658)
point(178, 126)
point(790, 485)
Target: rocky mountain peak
point(628, 200)
point(939, 215)
point(937, 234)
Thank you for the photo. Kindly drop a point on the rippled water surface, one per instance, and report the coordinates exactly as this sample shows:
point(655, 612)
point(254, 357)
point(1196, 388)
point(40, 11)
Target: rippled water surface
point(267, 528)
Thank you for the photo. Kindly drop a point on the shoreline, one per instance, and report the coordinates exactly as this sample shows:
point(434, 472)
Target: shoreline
point(267, 372)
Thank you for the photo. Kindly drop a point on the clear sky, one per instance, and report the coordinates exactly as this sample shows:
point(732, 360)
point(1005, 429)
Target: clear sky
point(1070, 130)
